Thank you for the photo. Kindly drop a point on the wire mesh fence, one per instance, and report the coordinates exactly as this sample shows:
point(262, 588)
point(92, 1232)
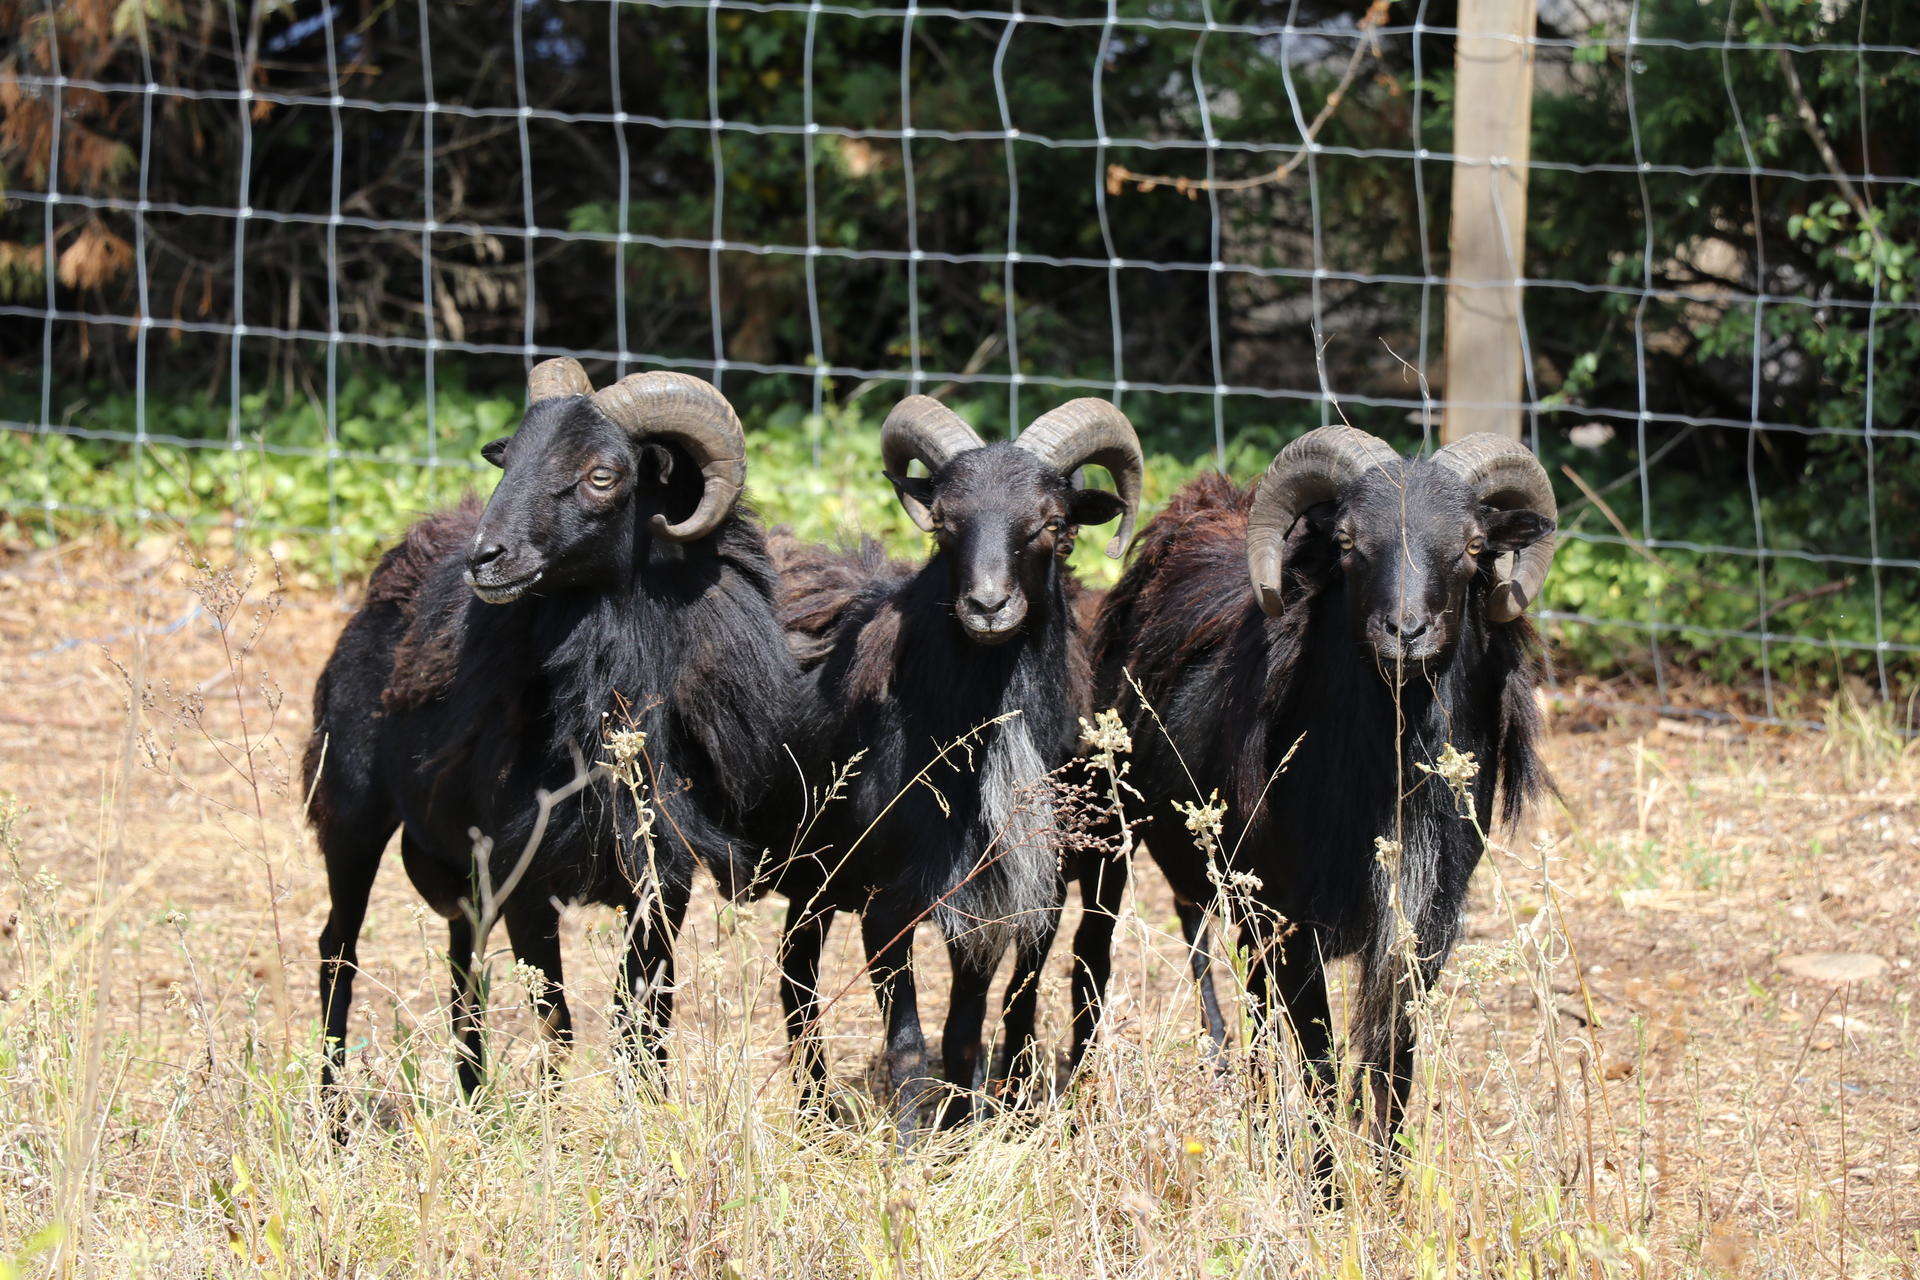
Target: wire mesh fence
point(280, 269)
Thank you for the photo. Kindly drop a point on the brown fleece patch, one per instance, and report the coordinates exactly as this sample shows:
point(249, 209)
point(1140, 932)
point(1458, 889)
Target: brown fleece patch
point(400, 573)
point(1086, 603)
point(875, 651)
point(427, 658)
point(818, 588)
point(425, 663)
point(1083, 610)
point(1195, 547)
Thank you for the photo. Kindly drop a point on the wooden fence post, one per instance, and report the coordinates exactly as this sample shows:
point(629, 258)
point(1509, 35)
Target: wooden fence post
point(1492, 120)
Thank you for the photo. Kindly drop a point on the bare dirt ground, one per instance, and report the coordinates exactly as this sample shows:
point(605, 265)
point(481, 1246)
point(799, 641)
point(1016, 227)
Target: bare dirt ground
point(1740, 1116)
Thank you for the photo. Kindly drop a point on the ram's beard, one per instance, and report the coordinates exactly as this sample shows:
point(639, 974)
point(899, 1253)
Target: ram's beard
point(1011, 898)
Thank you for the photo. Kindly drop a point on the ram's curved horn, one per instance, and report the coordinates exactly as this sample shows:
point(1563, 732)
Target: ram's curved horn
point(560, 376)
point(1313, 469)
point(922, 428)
point(694, 415)
point(1503, 473)
point(1090, 431)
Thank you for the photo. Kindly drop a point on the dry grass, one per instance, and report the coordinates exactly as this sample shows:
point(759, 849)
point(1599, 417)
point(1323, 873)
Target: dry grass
point(1620, 1078)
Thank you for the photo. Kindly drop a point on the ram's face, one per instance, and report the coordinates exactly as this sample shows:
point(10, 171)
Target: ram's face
point(559, 517)
point(1001, 517)
point(1004, 520)
point(1410, 541)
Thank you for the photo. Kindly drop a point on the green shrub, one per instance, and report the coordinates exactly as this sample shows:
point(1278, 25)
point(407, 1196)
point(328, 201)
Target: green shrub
point(328, 517)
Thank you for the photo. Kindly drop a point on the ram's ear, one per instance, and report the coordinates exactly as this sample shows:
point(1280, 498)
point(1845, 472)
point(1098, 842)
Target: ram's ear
point(1094, 506)
point(1321, 518)
point(495, 451)
point(656, 460)
point(917, 488)
point(1515, 530)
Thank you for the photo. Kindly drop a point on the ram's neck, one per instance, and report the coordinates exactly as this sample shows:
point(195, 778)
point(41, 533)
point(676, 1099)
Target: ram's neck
point(603, 655)
point(624, 652)
point(1395, 735)
point(945, 676)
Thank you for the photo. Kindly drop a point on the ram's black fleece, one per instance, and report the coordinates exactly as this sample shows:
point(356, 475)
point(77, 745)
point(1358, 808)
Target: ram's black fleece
point(902, 683)
point(444, 716)
point(1237, 691)
point(955, 689)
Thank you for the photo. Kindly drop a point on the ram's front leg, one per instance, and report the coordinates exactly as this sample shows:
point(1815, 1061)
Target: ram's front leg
point(1393, 979)
point(533, 928)
point(647, 982)
point(1020, 1070)
point(973, 960)
point(1103, 888)
point(800, 947)
point(887, 931)
point(1287, 987)
point(1194, 925)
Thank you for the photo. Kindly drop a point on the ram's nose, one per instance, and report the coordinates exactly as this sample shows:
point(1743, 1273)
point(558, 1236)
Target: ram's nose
point(484, 554)
point(986, 602)
point(991, 613)
point(1408, 627)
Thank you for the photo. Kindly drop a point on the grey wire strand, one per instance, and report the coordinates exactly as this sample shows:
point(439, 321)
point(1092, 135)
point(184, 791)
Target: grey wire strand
point(1012, 254)
point(1255, 147)
point(1654, 630)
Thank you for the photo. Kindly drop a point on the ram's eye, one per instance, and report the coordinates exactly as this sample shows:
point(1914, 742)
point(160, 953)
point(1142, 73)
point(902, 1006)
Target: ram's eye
point(603, 477)
point(1343, 539)
point(1476, 545)
point(1051, 526)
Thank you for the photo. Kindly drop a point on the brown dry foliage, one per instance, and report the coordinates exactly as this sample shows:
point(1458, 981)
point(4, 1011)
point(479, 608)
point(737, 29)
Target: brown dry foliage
point(1624, 1080)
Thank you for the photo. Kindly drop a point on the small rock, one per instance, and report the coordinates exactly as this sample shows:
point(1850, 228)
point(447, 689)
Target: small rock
point(1834, 966)
point(1727, 1247)
point(1852, 1026)
point(1590, 435)
point(154, 550)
